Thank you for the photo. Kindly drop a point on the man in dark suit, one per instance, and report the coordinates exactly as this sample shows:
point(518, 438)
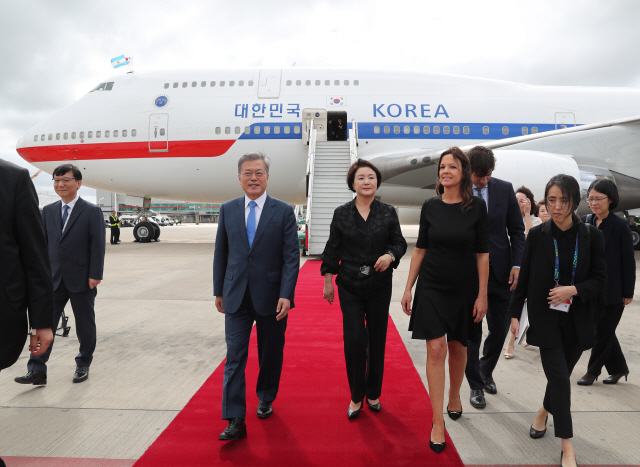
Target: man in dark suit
point(255, 270)
point(26, 290)
point(75, 232)
point(506, 247)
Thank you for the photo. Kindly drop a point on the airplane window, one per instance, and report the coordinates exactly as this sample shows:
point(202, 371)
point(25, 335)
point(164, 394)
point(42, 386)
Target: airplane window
point(456, 130)
point(189, 131)
point(250, 82)
point(416, 130)
point(133, 133)
point(162, 132)
point(465, 130)
point(276, 129)
point(386, 129)
point(227, 130)
point(232, 83)
point(81, 134)
point(426, 129)
point(166, 85)
point(35, 138)
point(407, 130)
point(184, 84)
point(436, 130)
point(298, 82)
point(346, 82)
point(534, 129)
point(203, 84)
point(57, 135)
point(50, 136)
point(175, 85)
point(222, 83)
point(198, 131)
point(89, 134)
point(241, 83)
point(115, 133)
point(288, 82)
point(327, 82)
point(109, 86)
point(218, 130)
point(73, 135)
point(336, 82)
point(445, 130)
point(107, 133)
point(237, 130)
point(41, 137)
point(376, 129)
point(396, 129)
point(485, 130)
point(256, 130)
point(296, 129)
point(287, 130)
point(212, 83)
point(505, 130)
point(307, 82)
point(65, 136)
point(356, 82)
point(267, 130)
point(318, 82)
point(525, 130)
point(98, 134)
point(194, 84)
point(124, 133)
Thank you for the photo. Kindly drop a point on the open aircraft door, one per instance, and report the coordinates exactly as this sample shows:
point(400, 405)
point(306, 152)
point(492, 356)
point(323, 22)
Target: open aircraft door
point(159, 133)
point(319, 119)
point(269, 84)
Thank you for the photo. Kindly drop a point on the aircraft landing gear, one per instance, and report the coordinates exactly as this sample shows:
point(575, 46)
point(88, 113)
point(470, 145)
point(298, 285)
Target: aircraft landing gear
point(147, 230)
point(635, 229)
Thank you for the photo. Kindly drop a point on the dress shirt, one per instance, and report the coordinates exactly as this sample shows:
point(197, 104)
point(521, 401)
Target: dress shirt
point(71, 204)
point(484, 194)
point(260, 204)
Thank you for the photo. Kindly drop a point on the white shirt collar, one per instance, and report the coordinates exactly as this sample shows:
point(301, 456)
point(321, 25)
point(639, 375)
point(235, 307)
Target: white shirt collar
point(260, 201)
point(71, 203)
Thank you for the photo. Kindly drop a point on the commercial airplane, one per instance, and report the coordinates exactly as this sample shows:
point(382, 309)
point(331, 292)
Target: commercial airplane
point(179, 134)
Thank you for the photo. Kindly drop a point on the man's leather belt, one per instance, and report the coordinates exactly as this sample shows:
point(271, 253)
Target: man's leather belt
point(366, 270)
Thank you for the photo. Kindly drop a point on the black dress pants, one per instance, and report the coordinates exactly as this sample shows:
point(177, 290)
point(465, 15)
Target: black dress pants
point(115, 235)
point(558, 363)
point(498, 323)
point(365, 315)
point(606, 351)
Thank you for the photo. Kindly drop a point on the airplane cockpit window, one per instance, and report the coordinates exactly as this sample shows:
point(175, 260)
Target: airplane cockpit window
point(194, 84)
point(175, 85)
point(166, 85)
point(485, 130)
point(426, 129)
point(109, 86)
point(525, 130)
point(356, 82)
point(534, 129)
point(212, 83)
point(103, 87)
point(505, 130)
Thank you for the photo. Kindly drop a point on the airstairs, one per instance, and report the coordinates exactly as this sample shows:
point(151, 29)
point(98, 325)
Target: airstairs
point(327, 188)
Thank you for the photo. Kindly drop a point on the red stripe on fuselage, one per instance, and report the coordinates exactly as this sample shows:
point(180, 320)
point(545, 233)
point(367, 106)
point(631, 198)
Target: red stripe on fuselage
point(138, 150)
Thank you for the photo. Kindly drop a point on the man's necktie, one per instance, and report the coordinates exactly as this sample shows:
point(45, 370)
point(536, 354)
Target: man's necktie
point(251, 222)
point(65, 214)
point(478, 192)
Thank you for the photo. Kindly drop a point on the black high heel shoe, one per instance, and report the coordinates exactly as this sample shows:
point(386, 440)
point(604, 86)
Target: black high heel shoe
point(535, 434)
point(454, 415)
point(374, 407)
point(613, 379)
point(587, 380)
point(353, 414)
point(437, 447)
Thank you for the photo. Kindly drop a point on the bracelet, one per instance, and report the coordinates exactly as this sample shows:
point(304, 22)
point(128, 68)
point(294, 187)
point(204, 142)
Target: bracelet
point(481, 298)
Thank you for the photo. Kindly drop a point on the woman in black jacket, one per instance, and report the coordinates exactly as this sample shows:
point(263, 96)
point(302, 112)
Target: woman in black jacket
point(365, 245)
point(621, 280)
point(563, 278)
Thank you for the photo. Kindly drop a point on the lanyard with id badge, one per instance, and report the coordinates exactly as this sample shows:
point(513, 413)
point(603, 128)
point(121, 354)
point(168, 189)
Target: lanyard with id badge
point(564, 306)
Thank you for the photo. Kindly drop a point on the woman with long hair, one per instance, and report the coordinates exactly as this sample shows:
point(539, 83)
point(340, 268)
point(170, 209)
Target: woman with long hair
point(451, 264)
point(562, 278)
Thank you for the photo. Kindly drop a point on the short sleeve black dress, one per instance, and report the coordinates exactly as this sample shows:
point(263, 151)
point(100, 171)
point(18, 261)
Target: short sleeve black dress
point(447, 285)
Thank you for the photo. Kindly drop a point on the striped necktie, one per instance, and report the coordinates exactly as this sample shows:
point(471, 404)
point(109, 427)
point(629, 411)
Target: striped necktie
point(65, 214)
point(251, 222)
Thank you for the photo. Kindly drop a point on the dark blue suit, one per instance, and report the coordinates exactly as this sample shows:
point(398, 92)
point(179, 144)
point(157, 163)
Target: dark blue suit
point(75, 255)
point(251, 281)
point(506, 247)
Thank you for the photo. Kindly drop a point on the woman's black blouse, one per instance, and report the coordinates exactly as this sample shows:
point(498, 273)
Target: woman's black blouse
point(566, 251)
point(358, 242)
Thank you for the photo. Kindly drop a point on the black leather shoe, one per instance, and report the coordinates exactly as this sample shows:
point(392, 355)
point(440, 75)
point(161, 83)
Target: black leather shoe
point(236, 429)
point(353, 414)
point(265, 410)
point(535, 434)
point(454, 415)
point(490, 385)
point(374, 407)
point(32, 377)
point(477, 399)
point(81, 374)
point(436, 447)
point(587, 380)
point(613, 379)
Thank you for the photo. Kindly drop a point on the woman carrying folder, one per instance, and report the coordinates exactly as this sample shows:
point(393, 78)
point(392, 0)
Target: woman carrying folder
point(563, 278)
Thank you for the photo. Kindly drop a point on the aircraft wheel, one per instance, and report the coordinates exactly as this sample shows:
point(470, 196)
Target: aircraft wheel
point(635, 234)
point(156, 235)
point(144, 232)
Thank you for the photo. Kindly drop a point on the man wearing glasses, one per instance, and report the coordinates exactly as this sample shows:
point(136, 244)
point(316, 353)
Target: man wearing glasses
point(75, 234)
point(255, 270)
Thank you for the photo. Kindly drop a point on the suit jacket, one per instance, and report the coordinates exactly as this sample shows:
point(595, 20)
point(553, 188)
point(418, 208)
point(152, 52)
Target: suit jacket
point(270, 266)
point(536, 280)
point(506, 229)
point(76, 254)
point(620, 257)
point(26, 289)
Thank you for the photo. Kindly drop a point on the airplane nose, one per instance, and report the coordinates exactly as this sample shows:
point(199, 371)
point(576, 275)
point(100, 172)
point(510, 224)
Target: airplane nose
point(20, 143)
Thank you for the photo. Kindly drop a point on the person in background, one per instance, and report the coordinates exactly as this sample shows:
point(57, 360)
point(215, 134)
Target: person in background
point(563, 279)
point(528, 208)
point(364, 247)
point(621, 280)
point(451, 264)
point(114, 222)
point(543, 214)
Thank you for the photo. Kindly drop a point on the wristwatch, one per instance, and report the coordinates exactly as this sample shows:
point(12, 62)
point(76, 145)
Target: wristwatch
point(393, 257)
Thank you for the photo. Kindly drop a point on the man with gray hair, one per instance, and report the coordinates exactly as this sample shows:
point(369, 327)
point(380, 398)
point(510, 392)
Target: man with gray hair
point(255, 270)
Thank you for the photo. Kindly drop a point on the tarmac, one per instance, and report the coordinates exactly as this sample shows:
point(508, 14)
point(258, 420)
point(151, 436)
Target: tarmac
point(160, 337)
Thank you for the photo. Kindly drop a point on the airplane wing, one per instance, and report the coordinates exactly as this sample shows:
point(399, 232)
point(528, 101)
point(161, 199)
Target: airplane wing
point(592, 141)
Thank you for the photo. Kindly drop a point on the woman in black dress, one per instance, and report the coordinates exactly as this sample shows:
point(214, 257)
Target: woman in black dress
point(621, 281)
point(563, 278)
point(365, 245)
point(451, 264)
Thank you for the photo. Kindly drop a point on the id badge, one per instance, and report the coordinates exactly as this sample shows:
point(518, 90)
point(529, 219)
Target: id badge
point(564, 306)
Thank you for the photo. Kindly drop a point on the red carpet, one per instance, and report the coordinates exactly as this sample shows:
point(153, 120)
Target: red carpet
point(309, 426)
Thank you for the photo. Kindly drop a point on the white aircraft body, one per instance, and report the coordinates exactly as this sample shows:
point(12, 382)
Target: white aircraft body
point(179, 134)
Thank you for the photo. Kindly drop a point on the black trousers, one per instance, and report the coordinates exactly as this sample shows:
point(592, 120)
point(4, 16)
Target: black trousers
point(498, 322)
point(365, 315)
point(115, 235)
point(558, 363)
point(82, 304)
point(606, 351)
point(237, 331)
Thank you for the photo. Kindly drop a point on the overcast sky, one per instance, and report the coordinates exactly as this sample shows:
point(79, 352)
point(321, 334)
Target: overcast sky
point(53, 53)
